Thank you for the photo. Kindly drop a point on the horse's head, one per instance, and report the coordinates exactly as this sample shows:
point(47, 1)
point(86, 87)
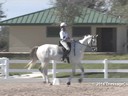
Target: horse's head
point(90, 41)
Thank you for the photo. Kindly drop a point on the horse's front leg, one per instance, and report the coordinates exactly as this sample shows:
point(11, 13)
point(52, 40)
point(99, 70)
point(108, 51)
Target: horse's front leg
point(82, 72)
point(72, 74)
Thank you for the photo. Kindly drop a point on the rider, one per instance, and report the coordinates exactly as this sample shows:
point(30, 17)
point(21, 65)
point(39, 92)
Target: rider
point(64, 39)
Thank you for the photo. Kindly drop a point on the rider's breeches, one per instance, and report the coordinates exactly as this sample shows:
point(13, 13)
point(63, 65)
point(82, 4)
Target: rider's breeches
point(65, 45)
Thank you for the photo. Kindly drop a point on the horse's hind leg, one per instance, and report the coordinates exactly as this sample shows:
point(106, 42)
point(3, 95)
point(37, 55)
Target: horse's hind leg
point(44, 70)
point(46, 74)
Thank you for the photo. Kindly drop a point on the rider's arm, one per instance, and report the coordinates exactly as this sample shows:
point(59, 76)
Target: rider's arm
point(63, 36)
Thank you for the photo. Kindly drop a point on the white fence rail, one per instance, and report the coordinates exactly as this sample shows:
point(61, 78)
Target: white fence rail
point(5, 70)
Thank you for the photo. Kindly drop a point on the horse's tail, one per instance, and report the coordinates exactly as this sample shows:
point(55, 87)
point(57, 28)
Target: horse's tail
point(33, 57)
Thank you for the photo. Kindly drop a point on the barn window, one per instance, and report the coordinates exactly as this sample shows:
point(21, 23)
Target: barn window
point(53, 31)
point(80, 31)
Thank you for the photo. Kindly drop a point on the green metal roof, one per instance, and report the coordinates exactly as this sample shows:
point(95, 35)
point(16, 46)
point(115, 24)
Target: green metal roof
point(48, 16)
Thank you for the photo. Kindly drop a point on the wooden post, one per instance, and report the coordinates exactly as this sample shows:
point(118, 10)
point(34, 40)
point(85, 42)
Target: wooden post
point(55, 80)
point(6, 67)
point(105, 68)
point(53, 69)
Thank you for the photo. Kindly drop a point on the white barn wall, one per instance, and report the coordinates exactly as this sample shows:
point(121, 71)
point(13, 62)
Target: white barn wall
point(121, 39)
point(23, 38)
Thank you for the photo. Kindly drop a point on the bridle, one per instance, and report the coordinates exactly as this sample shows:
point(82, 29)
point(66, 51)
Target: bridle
point(89, 45)
point(93, 47)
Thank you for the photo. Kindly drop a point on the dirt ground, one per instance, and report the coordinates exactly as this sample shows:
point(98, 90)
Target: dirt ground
point(76, 89)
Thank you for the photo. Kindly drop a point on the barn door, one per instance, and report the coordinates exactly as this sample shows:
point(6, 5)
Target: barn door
point(106, 41)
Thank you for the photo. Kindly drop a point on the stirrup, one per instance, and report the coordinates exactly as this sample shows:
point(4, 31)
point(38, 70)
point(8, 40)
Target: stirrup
point(67, 59)
point(63, 59)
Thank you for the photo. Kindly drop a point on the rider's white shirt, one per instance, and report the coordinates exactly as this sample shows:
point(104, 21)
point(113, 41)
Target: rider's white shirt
point(63, 35)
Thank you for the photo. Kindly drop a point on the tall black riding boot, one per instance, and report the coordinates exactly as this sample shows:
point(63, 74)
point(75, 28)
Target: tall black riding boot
point(65, 56)
point(68, 59)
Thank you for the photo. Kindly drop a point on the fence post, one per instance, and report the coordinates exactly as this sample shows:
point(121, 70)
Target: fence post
point(6, 67)
point(53, 69)
point(55, 80)
point(105, 68)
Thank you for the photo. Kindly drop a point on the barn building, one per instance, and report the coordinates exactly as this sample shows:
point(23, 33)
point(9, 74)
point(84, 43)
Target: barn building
point(42, 27)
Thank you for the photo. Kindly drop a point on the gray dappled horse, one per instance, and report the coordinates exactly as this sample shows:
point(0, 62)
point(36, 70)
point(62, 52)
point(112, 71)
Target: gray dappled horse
point(48, 52)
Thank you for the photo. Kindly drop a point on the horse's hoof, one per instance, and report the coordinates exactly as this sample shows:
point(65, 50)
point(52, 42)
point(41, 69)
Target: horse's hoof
point(44, 82)
point(80, 80)
point(50, 83)
point(68, 83)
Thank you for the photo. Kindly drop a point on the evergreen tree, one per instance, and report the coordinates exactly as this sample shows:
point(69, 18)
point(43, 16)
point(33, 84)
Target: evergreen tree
point(3, 33)
point(1, 12)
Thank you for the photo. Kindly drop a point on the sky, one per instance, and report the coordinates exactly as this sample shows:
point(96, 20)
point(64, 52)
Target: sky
point(14, 8)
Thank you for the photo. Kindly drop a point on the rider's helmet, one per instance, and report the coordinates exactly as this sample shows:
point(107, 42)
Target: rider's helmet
point(63, 24)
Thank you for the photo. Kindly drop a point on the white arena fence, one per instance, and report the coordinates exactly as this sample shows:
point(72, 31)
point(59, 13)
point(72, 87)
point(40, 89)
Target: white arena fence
point(5, 70)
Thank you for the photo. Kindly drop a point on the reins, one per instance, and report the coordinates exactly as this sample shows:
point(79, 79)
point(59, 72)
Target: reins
point(74, 46)
point(83, 44)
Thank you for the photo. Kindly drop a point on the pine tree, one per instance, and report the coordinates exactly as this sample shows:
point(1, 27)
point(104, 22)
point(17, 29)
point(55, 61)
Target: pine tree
point(3, 33)
point(1, 12)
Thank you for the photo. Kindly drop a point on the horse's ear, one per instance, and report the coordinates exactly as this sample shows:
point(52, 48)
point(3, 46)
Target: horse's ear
point(84, 35)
